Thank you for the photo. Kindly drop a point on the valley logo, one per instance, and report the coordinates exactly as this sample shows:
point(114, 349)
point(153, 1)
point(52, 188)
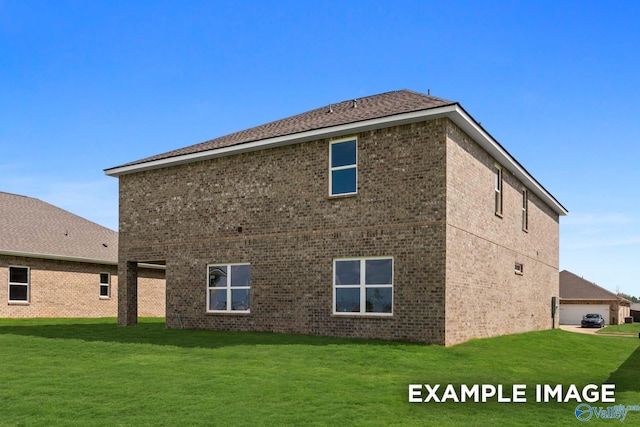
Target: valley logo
point(585, 412)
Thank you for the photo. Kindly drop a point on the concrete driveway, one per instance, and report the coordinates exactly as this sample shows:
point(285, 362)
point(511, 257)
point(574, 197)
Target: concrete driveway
point(578, 328)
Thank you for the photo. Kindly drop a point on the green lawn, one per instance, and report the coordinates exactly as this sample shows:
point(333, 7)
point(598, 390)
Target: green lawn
point(92, 372)
point(631, 328)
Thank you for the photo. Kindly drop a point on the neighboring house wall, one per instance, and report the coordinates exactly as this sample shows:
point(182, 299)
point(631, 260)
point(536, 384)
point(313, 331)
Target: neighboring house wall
point(618, 310)
point(484, 295)
point(72, 289)
point(292, 231)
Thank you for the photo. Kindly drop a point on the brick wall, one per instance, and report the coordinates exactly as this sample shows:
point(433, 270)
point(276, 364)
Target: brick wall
point(189, 216)
point(72, 289)
point(484, 296)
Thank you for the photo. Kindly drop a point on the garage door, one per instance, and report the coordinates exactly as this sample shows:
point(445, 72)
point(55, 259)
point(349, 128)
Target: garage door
point(571, 314)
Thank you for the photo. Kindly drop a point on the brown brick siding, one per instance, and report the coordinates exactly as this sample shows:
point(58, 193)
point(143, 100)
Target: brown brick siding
point(188, 216)
point(71, 289)
point(484, 296)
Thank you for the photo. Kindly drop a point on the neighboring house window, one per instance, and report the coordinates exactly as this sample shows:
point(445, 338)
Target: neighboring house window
point(525, 210)
point(498, 189)
point(228, 287)
point(18, 284)
point(363, 286)
point(105, 285)
point(343, 174)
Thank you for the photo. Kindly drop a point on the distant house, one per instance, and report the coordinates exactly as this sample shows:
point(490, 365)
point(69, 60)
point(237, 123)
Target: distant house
point(579, 297)
point(394, 216)
point(635, 312)
point(56, 264)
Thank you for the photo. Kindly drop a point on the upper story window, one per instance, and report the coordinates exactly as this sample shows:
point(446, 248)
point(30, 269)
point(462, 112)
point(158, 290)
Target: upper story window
point(363, 286)
point(18, 284)
point(525, 210)
point(105, 285)
point(343, 167)
point(228, 287)
point(498, 189)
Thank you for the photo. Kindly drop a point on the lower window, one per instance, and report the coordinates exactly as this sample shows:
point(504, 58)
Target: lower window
point(228, 287)
point(18, 284)
point(363, 286)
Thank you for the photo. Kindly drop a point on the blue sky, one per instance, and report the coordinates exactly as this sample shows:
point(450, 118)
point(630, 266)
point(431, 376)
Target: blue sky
point(87, 85)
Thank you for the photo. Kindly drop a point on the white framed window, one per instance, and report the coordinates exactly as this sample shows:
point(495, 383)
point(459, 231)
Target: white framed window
point(525, 210)
point(19, 278)
point(228, 288)
point(363, 286)
point(343, 167)
point(105, 285)
point(498, 189)
point(519, 269)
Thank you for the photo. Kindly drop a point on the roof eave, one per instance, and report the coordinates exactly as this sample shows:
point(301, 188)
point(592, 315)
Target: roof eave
point(58, 257)
point(454, 112)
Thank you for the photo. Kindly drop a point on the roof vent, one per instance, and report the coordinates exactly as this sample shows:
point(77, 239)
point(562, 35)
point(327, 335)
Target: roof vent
point(330, 110)
point(355, 103)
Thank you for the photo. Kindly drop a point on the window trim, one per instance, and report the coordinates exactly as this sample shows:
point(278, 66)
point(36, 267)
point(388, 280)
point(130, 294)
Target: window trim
point(498, 189)
point(519, 268)
point(10, 283)
point(525, 210)
point(229, 288)
point(103, 284)
point(333, 169)
point(363, 287)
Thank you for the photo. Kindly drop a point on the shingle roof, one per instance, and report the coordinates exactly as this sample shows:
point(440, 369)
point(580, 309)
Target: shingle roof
point(351, 111)
point(573, 286)
point(31, 227)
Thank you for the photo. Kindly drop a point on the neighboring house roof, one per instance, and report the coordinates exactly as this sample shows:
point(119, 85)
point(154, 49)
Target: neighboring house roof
point(575, 287)
point(635, 307)
point(343, 118)
point(32, 228)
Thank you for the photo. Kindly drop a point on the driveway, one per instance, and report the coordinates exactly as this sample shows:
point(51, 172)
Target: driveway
point(577, 328)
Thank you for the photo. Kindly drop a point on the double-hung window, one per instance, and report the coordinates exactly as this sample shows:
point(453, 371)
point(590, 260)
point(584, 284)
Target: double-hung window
point(363, 286)
point(18, 284)
point(498, 189)
point(343, 170)
point(228, 287)
point(105, 285)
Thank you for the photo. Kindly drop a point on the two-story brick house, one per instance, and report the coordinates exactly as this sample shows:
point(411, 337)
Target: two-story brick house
point(395, 216)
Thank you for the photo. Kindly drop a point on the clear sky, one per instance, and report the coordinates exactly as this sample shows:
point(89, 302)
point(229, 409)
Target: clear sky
point(88, 85)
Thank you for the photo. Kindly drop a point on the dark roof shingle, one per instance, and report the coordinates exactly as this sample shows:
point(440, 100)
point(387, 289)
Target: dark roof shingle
point(31, 226)
point(345, 112)
point(573, 286)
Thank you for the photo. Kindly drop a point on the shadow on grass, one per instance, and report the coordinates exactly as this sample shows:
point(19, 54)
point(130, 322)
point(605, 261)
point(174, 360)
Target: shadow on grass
point(154, 332)
point(626, 376)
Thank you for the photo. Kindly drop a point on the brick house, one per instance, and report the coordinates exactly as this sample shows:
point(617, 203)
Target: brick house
point(579, 296)
point(57, 264)
point(395, 216)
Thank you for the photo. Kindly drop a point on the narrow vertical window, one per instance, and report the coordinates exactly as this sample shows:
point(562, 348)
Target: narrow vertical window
point(105, 285)
point(343, 167)
point(525, 210)
point(498, 189)
point(18, 284)
point(228, 288)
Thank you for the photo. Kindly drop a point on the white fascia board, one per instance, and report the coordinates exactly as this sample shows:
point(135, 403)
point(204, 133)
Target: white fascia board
point(486, 141)
point(296, 138)
point(454, 112)
point(58, 257)
point(76, 259)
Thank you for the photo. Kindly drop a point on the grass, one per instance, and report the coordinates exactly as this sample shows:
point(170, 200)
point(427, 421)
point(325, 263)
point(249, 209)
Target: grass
point(91, 372)
point(629, 328)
